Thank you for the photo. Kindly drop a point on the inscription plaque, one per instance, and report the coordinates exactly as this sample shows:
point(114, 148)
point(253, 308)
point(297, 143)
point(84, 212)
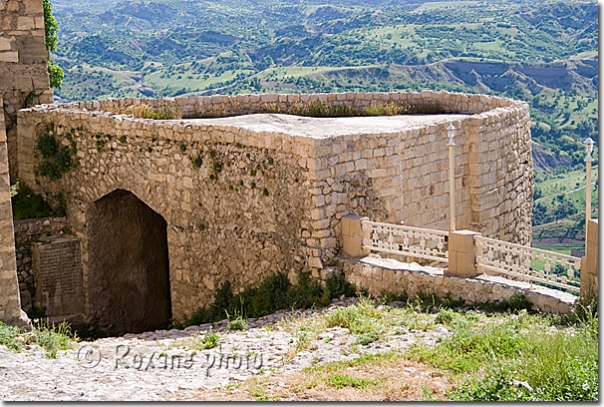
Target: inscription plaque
point(57, 266)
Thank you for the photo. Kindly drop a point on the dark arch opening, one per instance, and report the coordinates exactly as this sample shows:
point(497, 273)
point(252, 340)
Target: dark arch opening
point(128, 267)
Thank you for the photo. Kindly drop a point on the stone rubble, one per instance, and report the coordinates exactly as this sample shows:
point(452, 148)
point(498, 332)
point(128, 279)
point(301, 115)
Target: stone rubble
point(146, 366)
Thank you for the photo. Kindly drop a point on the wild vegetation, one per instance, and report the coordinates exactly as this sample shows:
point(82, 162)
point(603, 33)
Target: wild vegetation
point(274, 293)
point(492, 352)
point(53, 338)
point(510, 354)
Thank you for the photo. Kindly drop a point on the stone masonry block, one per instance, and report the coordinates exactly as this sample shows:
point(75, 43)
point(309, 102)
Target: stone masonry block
point(10, 56)
point(589, 263)
point(352, 236)
point(462, 254)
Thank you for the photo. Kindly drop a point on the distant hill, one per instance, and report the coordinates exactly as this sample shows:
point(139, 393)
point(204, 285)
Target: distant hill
point(543, 52)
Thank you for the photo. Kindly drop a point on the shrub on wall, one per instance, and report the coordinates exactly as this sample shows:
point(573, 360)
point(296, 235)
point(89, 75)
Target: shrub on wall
point(56, 159)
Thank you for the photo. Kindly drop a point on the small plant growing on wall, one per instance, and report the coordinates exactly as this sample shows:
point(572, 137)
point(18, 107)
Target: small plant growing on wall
point(197, 161)
point(215, 166)
point(56, 159)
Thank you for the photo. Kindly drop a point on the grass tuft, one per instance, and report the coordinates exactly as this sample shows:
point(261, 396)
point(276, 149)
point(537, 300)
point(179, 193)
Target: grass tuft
point(54, 338)
point(340, 381)
point(8, 337)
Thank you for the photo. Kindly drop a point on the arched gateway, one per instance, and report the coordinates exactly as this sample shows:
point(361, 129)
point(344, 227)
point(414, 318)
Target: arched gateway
point(129, 274)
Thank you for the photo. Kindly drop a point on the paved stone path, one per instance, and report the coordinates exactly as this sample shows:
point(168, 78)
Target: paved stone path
point(161, 365)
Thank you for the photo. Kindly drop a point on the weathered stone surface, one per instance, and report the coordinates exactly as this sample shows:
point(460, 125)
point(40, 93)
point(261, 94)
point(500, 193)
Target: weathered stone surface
point(57, 268)
point(26, 233)
point(23, 67)
point(10, 301)
point(432, 280)
point(266, 192)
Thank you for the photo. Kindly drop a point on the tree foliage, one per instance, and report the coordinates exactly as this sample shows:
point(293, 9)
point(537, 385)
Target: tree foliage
point(51, 27)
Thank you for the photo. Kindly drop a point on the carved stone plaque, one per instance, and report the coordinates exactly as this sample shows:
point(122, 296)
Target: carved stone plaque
point(57, 266)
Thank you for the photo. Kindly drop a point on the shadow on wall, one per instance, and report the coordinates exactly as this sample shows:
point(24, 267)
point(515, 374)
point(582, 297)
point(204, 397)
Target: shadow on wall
point(128, 268)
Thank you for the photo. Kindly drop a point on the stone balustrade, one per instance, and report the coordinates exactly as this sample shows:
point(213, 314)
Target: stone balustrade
point(479, 269)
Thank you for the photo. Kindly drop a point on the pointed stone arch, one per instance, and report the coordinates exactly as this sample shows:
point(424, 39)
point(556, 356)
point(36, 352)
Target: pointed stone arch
point(128, 265)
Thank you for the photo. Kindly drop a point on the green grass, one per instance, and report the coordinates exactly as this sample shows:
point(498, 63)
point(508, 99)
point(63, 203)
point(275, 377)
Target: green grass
point(51, 338)
point(521, 357)
point(369, 358)
point(8, 337)
point(54, 338)
point(361, 319)
point(340, 381)
point(207, 341)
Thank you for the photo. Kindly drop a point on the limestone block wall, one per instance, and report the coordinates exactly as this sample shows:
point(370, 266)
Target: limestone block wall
point(494, 169)
point(10, 303)
point(238, 215)
point(241, 203)
point(23, 67)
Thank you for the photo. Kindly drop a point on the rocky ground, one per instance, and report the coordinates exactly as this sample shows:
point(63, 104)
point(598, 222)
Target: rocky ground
point(170, 365)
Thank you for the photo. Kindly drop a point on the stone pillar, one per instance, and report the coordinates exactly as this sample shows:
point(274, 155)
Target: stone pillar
point(23, 67)
point(589, 263)
point(462, 254)
point(352, 236)
point(10, 301)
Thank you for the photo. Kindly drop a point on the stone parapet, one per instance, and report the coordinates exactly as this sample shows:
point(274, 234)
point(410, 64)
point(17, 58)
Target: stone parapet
point(225, 106)
point(387, 276)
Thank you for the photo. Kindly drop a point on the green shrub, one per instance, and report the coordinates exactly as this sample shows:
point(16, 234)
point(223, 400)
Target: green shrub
point(518, 302)
point(8, 337)
point(274, 293)
point(56, 159)
point(368, 338)
point(337, 285)
point(237, 324)
point(208, 341)
point(47, 145)
point(360, 318)
point(28, 205)
point(445, 317)
point(54, 338)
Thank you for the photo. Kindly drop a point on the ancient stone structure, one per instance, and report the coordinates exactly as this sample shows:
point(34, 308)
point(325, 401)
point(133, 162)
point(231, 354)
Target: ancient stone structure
point(238, 198)
point(23, 68)
point(10, 303)
point(161, 212)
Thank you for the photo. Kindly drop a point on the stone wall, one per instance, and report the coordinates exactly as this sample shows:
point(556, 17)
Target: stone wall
point(237, 216)
point(23, 67)
point(381, 276)
point(10, 303)
point(27, 232)
point(242, 203)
